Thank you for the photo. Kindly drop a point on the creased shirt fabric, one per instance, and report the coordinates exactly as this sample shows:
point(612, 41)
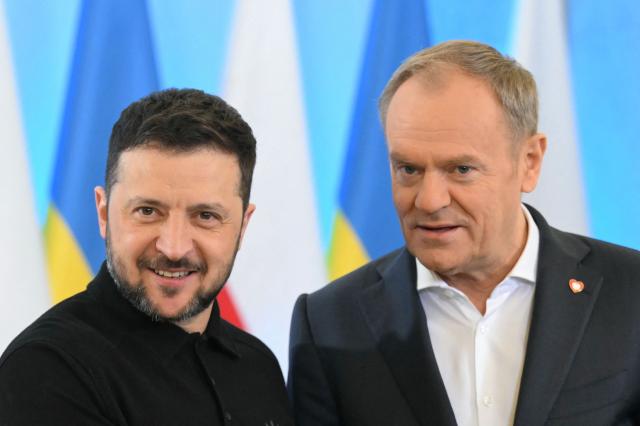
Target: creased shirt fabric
point(96, 360)
point(480, 357)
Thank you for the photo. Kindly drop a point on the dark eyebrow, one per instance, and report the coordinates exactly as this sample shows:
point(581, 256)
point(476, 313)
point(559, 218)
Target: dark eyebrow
point(217, 207)
point(144, 201)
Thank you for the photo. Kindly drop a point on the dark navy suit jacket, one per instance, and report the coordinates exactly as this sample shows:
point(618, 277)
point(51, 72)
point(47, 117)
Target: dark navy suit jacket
point(360, 352)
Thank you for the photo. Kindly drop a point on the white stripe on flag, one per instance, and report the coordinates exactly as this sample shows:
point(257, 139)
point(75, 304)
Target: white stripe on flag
point(281, 256)
point(540, 45)
point(23, 289)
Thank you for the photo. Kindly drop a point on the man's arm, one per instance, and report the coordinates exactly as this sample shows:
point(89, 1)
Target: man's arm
point(309, 391)
point(41, 385)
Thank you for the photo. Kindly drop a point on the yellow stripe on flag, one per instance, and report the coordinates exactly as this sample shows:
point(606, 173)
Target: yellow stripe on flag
point(69, 272)
point(346, 252)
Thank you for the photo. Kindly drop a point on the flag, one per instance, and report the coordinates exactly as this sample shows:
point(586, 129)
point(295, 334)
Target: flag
point(24, 287)
point(113, 65)
point(281, 254)
point(542, 49)
point(366, 225)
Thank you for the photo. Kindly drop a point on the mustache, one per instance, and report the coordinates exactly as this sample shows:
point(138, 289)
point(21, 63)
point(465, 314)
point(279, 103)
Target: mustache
point(163, 262)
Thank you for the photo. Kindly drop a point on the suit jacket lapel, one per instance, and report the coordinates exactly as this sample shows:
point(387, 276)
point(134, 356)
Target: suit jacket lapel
point(396, 318)
point(558, 321)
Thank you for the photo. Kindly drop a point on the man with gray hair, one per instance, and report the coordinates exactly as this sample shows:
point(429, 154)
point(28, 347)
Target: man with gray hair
point(488, 316)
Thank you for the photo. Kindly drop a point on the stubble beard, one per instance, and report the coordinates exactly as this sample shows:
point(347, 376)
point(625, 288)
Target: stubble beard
point(137, 295)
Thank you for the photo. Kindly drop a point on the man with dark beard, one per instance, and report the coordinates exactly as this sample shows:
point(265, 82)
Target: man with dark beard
point(145, 344)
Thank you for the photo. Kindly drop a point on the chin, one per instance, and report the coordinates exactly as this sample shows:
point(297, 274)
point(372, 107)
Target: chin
point(439, 264)
point(170, 310)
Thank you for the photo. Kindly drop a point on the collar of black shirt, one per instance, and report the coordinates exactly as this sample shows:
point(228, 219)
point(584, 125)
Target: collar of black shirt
point(164, 337)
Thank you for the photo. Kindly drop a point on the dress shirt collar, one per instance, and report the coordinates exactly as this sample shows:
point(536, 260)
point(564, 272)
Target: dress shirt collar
point(525, 268)
point(166, 338)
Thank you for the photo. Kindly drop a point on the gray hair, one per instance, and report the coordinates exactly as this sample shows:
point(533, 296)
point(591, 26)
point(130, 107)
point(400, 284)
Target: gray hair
point(513, 86)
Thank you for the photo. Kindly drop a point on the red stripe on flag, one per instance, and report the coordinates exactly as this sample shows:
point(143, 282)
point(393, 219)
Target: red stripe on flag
point(228, 309)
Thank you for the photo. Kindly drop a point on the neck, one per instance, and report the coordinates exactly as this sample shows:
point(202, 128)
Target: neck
point(478, 286)
point(197, 323)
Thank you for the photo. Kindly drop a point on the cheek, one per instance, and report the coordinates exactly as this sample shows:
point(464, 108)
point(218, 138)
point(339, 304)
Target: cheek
point(480, 208)
point(133, 243)
point(474, 200)
point(490, 209)
point(403, 199)
point(218, 248)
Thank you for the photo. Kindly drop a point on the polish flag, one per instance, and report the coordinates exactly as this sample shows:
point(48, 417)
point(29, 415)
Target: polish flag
point(281, 256)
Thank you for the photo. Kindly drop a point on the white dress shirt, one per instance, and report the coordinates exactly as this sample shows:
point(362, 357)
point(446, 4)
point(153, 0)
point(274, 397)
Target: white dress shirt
point(480, 358)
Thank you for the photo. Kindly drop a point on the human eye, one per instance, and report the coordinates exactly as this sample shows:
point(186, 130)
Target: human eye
point(208, 218)
point(408, 170)
point(405, 169)
point(145, 211)
point(406, 174)
point(463, 172)
point(145, 214)
point(463, 169)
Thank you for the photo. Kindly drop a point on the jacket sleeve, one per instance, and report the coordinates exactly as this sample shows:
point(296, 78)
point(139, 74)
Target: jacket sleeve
point(40, 385)
point(308, 386)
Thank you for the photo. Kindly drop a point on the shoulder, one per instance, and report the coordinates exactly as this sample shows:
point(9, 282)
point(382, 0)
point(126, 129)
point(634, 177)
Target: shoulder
point(352, 283)
point(610, 250)
point(591, 252)
point(601, 254)
point(611, 258)
point(337, 302)
point(50, 373)
point(70, 329)
point(52, 353)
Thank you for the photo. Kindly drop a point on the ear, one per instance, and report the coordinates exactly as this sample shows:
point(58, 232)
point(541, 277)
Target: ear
point(245, 221)
point(531, 155)
point(101, 209)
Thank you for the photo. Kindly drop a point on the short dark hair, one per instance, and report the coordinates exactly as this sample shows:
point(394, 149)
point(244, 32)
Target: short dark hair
point(183, 120)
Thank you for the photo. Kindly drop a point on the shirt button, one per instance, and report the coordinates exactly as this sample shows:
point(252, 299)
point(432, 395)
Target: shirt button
point(449, 294)
point(487, 400)
point(227, 416)
point(482, 329)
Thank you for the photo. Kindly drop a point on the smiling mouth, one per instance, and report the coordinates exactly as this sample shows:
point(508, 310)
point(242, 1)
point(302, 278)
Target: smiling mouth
point(172, 274)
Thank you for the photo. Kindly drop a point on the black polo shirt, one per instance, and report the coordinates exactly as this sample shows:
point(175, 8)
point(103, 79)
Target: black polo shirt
point(95, 359)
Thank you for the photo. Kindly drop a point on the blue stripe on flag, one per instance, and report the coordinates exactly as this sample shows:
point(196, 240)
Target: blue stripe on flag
point(42, 35)
point(605, 69)
point(397, 30)
point(113, 65)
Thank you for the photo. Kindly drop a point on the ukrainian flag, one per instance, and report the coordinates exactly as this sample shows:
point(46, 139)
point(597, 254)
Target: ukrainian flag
point(366, 225)
point(113, 65)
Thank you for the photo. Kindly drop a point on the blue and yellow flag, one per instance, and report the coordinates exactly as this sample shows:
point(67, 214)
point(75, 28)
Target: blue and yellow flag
point(113, 65)
point(366, 225)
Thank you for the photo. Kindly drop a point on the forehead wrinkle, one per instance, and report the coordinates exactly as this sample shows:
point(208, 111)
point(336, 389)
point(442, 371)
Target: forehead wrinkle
point(413, 133)
point(406, 115)
point(427, 141)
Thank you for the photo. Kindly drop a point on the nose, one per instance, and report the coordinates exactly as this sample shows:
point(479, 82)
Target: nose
point(175, 240)
point(433, 193)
